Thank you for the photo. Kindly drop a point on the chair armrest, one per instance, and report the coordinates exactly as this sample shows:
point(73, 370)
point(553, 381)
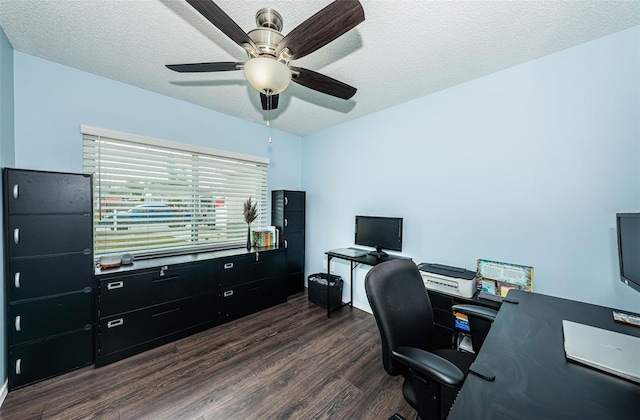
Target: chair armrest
point(476, 311)
point(429, 365)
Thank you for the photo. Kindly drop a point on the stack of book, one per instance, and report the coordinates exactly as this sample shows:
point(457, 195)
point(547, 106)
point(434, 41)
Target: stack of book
point(265, 238)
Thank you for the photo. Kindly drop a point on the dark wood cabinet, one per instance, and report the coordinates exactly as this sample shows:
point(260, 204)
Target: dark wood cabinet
point(52, 316)
point(164, 300)
point(50, 357)
point(250, 283)
point(48, 273)
point(128, 333)
point(288, 215)
point(140, 289)
point(142, 309)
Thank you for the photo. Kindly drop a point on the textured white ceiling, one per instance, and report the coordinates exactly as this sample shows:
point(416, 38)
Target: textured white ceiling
point(404, 49)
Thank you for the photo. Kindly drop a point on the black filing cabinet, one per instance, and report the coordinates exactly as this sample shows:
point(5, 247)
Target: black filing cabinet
point(288, 215)
point(250, 283)
point(48, 273)
point(142, 309)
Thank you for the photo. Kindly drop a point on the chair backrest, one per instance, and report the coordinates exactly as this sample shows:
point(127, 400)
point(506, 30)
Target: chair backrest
point(401, 307)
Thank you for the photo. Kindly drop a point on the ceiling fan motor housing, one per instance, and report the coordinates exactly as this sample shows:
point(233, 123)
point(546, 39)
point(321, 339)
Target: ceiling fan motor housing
point(267, 35)
point(269, 18)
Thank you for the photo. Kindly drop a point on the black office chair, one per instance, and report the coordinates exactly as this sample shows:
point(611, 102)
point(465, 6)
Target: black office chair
point(404, 316)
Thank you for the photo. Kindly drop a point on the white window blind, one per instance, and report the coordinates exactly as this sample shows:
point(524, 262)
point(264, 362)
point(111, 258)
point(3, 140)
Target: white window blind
point(152, 196)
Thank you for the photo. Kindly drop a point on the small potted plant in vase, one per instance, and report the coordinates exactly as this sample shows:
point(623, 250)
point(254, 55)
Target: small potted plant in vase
point(250, 212)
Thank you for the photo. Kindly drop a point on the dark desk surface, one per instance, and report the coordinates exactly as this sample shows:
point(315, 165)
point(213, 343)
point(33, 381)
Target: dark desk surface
point(366, 259)
point(525, 350)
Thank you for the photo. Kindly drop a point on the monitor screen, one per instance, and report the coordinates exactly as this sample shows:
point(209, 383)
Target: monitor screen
point(379, 232)
point(628, 226)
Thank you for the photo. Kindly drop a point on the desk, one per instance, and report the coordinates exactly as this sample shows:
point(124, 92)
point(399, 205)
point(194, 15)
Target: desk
point(525, 350)
point(365, 259)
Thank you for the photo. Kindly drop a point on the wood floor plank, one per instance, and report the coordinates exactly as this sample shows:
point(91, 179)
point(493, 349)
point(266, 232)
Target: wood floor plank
point(287, 362)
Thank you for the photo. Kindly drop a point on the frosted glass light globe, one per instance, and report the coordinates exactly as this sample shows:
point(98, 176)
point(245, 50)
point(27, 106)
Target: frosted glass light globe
point(267, 75)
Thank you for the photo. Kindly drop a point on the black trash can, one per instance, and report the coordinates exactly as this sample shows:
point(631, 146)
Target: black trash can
point(318, 290)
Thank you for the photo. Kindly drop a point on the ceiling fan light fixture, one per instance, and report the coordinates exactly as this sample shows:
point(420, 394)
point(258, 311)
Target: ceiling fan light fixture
point(267, 75)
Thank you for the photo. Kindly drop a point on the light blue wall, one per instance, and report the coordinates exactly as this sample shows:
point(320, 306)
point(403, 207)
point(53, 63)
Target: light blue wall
point(6, 159)
point(528, 166)
point(51, 101)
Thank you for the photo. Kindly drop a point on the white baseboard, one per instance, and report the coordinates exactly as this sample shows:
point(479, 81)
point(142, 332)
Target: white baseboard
point(362, 307)
point(4, 391)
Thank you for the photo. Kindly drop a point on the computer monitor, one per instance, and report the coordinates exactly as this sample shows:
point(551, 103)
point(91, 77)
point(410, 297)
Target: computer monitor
point(628, 227)
point(379, 233)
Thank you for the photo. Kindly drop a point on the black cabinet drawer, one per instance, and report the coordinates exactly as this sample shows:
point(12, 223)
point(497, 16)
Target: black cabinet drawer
point(125, 293)
point(120, 332)
point(443, 317)
point(33, 192)
point(295, 261)
point(294, 241)
point(44, 359)
point(239, 270)
point(50, 234)
point(441, 301)
point(294, 200)
point(234, 270)
point(293, 221)
point(247, 298)
point(42, 318)
point(49, 275)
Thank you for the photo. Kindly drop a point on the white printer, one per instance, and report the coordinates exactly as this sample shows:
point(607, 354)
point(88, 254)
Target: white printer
point(451, 280)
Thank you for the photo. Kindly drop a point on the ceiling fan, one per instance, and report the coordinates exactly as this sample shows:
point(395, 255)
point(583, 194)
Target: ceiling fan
point(270, 52)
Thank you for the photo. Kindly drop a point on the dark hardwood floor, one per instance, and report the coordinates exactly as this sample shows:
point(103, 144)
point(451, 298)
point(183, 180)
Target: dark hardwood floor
point(287, 362)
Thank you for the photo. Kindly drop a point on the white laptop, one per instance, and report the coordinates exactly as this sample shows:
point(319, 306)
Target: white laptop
point(609, 351)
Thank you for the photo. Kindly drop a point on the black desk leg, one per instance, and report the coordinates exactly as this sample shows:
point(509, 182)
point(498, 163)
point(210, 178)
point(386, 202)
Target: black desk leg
point(328, 282)
point(351, 286)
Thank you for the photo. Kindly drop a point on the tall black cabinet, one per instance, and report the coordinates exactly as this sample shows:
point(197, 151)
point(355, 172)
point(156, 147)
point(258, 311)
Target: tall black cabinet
point(288, 215)
point(48, 273)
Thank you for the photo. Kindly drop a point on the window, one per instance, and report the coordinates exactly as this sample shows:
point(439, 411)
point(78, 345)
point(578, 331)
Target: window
point(153, 196)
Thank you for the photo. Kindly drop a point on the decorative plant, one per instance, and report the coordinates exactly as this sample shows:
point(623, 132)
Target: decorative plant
point(250, 211)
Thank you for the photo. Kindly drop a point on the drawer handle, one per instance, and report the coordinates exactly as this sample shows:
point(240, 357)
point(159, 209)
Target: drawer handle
point(115, 285)
point(257, 256)
point(228, 265)
point(286, 200)
point(16, 280)
point(286, 244)
point(18, 323)
point(162, 270)
point(166, 312)
point(228, 293)
point(18, 366)
point(286, 223)
point(115, 323)
point(15, 191)
point(16, 235)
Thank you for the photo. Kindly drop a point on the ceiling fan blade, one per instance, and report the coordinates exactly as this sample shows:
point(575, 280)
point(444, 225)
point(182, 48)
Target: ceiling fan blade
point(322, 83)
point(322, 28)
point(205, 67)
point(269, 102)
point(222, 21)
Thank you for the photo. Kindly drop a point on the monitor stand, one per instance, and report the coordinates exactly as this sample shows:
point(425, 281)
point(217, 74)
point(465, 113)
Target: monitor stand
point(378, 253)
